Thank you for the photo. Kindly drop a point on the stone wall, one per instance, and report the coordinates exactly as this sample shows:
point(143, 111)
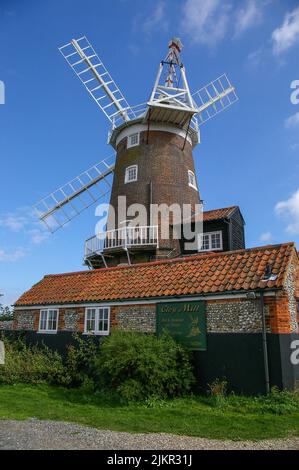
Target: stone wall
point(290, 288)
point(135, 318)
point(26, 320)
point(71, 320)
point(6, 325)
point(234, 316)
point(223, 316)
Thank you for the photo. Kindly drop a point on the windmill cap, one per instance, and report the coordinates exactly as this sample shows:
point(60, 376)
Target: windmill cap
point(177, 43)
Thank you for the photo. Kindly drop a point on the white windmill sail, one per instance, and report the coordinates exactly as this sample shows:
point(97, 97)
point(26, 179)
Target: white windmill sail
point(89, 68)
point(214, 98)
point(68, 201)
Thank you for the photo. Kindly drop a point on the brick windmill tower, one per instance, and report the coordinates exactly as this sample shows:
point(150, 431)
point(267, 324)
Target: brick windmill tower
point(152, 165)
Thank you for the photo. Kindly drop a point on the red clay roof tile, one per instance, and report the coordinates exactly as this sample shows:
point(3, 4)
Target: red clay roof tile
point(198, 274)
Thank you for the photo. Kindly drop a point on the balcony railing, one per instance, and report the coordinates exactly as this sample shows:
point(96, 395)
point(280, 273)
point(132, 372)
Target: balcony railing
point(126, 237)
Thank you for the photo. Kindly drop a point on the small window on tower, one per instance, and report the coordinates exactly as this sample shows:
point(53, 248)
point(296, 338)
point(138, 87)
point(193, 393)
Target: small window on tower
point(133, 140)
point(131, 173)
point(191, 179)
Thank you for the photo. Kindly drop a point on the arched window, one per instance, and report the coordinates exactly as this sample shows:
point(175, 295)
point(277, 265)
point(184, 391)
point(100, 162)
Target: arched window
point(192, 179)
point(131, 173)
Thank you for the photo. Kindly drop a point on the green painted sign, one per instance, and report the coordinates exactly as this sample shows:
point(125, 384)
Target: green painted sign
point(185, 322)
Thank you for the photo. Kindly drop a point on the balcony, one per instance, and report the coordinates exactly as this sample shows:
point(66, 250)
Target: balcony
point(122, 239)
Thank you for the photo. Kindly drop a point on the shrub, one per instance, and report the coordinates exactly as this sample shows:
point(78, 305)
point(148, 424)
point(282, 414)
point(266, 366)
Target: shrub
point(80, 361)
point(139, 366)
point(31, 364)
point(279, 402)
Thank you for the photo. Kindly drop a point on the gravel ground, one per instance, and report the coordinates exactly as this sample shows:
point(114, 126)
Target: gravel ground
point(35, 434)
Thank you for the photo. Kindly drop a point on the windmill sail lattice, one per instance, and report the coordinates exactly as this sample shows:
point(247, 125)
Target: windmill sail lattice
point(89, 68)
point(68, 201)
point(214, 98)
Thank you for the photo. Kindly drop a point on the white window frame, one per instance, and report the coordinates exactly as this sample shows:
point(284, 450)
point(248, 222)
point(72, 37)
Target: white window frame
point(47, 330)
point(209, 234)
point(130, 138)
point(191, 176)
point(127, 180)
point(98, 311)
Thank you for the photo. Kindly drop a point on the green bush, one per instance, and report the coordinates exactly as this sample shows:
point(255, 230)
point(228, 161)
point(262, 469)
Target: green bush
point(139, 367)
point(31, 364)
point(279, 402)
point(80, 361)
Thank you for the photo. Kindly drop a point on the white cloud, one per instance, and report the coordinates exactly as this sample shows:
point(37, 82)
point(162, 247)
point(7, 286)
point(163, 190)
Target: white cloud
point(14, 222)
point(266, 237)
point(290, 210)
point(24, 221)
point(292, 122)
point(12, 257)
point(156, 19)
point(206, 21)
point(37, 236)
point(287, 35)
point(255, 58)
point(248, 16)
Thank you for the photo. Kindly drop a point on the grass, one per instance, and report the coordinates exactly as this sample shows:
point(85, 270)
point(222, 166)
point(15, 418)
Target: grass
point(236, 418)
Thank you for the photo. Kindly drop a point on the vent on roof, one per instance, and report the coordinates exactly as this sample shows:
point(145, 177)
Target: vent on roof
point(268, 275)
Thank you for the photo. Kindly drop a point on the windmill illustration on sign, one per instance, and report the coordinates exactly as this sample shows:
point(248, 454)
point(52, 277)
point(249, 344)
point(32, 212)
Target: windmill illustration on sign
point(153, 162)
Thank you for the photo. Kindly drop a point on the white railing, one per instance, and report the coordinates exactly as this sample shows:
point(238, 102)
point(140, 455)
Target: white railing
point(139, 111)
point(125, 237)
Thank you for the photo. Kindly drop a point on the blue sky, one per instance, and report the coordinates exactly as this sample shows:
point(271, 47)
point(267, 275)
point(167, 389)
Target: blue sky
point(51, 130)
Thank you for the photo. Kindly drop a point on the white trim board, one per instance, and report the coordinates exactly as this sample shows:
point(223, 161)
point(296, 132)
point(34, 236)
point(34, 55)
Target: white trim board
point(140, 302)
point(137, 128)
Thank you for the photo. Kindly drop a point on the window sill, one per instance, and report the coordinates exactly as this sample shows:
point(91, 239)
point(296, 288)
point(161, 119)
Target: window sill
point(46, 332)
point(210, 249)
point(134, 145)
point(87, 333)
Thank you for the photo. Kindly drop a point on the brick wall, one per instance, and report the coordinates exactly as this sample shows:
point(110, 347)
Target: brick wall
point(162, 178)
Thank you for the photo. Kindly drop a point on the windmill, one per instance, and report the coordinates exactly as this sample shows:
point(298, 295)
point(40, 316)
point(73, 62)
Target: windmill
point(152, 161)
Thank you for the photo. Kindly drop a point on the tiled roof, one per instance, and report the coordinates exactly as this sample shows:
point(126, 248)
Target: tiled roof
point(218, 213)
point(194, 275)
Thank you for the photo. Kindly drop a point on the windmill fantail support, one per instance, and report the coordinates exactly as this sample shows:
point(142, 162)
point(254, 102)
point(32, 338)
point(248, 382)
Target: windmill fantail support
point(153, 162)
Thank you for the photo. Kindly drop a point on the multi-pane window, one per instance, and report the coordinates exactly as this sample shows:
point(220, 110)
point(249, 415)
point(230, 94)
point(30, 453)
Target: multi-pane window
point(103, 320)
point(133, 140)
point(131, 173)
point(211, 241)
point(90, 320)
point(192, 179)
point(48, 320)
point(97, 320)
point(216, 241)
